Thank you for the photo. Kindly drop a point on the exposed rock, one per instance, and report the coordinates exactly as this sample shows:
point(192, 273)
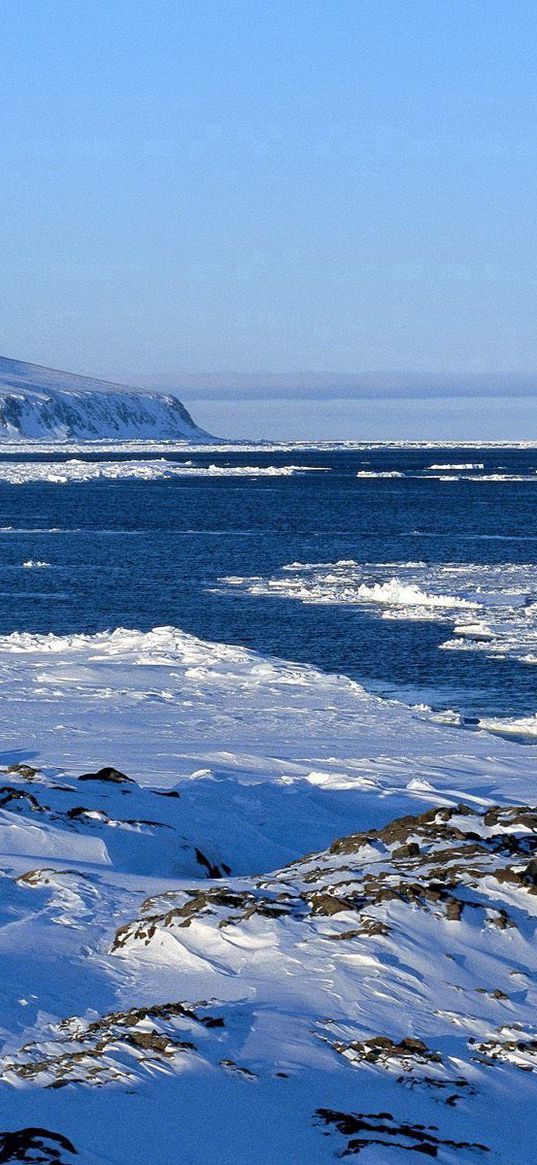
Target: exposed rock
point(23, 770)
point(381, 1049)
point(329, 904)
point(34, 1144)
point(9, 794)
point(213, 871)
point(381, 1128)
point(410, 850)
point(114, 1047)
point(113, 776)
point(238, 1069)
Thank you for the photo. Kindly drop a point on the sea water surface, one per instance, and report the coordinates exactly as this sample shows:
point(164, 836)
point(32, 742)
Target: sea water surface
point(412, 570)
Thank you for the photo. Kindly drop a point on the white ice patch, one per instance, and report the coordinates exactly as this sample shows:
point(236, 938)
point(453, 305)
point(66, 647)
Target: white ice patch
point(461, 465)
point(379, 473)
point(398, 594)
point(510, 726)
point(484, 477)
point(62, 472)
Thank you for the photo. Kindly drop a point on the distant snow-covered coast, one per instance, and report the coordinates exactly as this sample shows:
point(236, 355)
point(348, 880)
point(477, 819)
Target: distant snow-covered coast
point(43, 403)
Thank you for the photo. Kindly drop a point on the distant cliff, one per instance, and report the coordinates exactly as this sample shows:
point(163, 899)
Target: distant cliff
point(37, 403)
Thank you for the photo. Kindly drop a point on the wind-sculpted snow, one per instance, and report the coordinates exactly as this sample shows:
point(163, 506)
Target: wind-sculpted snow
point(77, 470)
point(41, 403)
point(180, 982)
point(491, 609)
point(397, 965)
point(181, 708)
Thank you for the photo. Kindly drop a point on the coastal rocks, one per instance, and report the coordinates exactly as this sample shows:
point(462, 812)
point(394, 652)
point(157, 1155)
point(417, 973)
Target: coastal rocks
point(381, 1049)
point(149, 838)
point(365, 1130)
point(238, 1069)
point(395, 960)
point(410, 1061)
point(514, 1047)
point(36, 1145)
point(115, 1048)
point(22, 770)
point(111, 775)
point(9, 795)
point(188, 905)
point(446, 875)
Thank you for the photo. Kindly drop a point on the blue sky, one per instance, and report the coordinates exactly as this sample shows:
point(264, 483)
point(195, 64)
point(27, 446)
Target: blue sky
point(252, 187)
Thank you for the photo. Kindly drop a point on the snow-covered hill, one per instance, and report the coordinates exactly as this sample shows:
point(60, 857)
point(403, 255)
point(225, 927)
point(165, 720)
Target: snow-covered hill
point(42, 403)
point(181, 984)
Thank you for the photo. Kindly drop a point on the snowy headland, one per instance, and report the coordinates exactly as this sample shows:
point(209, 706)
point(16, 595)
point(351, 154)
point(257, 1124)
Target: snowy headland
point(42, 403)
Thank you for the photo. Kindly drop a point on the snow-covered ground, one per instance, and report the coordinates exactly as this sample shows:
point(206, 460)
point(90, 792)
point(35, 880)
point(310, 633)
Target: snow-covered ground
point(181, 983)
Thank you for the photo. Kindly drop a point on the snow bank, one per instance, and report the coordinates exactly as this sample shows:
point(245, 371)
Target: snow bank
point(168, 707)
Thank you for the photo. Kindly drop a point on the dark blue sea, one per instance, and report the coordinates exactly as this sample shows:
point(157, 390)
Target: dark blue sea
point(146, 553)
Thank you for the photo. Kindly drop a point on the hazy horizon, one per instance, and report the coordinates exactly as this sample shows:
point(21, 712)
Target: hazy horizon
point(334, 406)
point(323, 406)
point(451, 419)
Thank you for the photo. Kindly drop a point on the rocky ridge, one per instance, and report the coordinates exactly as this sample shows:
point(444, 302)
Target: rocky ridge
point(402, 957)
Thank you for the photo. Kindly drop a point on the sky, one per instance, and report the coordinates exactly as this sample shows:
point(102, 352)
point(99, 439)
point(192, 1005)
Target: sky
point(237, 197)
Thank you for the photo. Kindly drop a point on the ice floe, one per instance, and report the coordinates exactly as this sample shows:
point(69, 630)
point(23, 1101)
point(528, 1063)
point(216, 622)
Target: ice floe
point(501, 600)
point(77, 470)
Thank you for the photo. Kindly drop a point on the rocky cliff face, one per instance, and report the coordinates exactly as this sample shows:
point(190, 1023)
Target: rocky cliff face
point(39, 402)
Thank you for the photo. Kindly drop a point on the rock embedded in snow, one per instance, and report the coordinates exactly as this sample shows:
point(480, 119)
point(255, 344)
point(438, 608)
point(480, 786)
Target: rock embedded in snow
point(111, 775)
point(35, 1144)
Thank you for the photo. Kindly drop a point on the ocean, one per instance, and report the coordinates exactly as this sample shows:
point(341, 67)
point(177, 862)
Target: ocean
point(410, 569)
